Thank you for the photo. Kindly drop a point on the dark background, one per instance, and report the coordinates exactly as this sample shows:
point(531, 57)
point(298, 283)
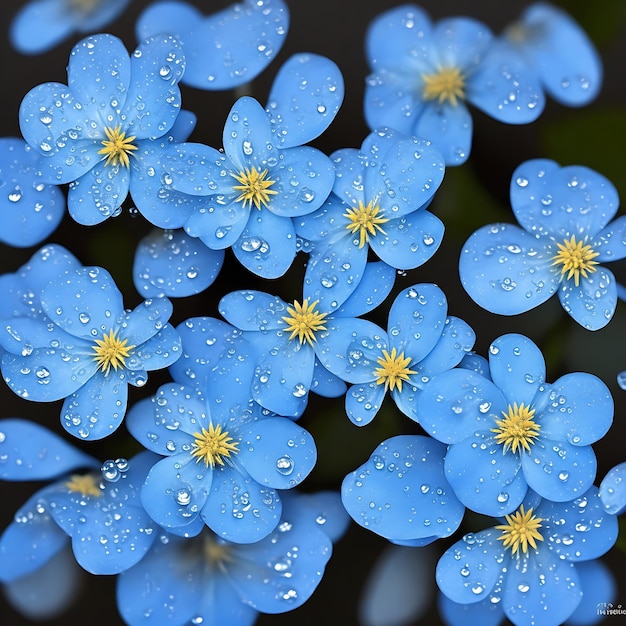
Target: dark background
point(472, 195)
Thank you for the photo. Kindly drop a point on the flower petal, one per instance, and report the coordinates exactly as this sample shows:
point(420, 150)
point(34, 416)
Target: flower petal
point(612, 491)
point(384, 494)
point(363, 402)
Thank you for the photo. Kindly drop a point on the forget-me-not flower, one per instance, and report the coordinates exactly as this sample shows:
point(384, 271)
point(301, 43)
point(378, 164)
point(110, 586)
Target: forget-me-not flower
point(421, 342)
point(224, 461)
point(90, 132)
point(424, 74)
point(30, 210)
point(379, 202)
point(514, 430)
point(96, 505)
point(86, 348)
point(40, 25)
point(558, 50)
point(294, 340)
point(226, 49)
point(247, 195)
point(528, 564)
point(206, 579)
point(565, 233)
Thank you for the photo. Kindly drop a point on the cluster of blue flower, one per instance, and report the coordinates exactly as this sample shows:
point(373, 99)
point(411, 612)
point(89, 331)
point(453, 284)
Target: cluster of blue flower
point(210, 521)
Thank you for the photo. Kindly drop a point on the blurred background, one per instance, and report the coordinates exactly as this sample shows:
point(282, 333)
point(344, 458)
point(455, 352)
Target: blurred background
point(473, 194)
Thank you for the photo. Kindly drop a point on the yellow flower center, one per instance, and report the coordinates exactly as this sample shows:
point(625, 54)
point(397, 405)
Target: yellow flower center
point(366, 220)
point(304, 321)
point(117, 147)
point(575, 259)
point(447, 83)
point(521, 530)
point(254, 187)
point(517, 429)
point(83, 6)
point(216, 554)
point(85, 484)
point(393, 370)
point(111, 352)
point(213, 445)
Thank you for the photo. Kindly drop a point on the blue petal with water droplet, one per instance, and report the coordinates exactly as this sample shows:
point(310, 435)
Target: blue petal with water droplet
point(31, 452)
point(253, 310)
point(326, 384)
point(492, 483)
point(363, 402)
point(517, 367)
point(506, 270)
point(276, 452)
point(484, 612)
point(401, 492)
point(540, 589)
point(469, 570)
point(305, 98)
point(239, 509)
point(577, 408)
point(612, 490)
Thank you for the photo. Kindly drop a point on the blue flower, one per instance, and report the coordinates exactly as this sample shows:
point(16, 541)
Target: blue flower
point(378, 202)
point(40, 25)
point(246, 196)
point(30, 209)
point(424, 73)
point(226, 49)
point(401, 492)
point(565, 234)
point(558, 50)
point(515, 430)
point(293, 341)
point(207, 579)
point(85, 347)
point(421, 342)
point(224, 461)
point(528, 564)
point(91, 132)
point(97, 507)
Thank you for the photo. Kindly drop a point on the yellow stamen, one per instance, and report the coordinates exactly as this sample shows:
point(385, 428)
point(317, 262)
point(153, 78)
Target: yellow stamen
point(517, 429)
point(576, 259)
point(85, 484)
point(213, 445)
point(521, 529)
point(304, 321)
point(254, 187)
point(216, 554)
point(393, 370)
point(366, 219)
point(111, 351)
point(447, 83)
point(117, 147)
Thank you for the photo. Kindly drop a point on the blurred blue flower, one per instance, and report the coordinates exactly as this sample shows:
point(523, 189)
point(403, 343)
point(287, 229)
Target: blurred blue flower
point(85, 347)
point(558, 50)
point(421, 342)
point(565, 234)
point(205, 579)
point(39, 25)
point(401, 492)
point(613, 489)
point(424, 73)
point(91, 132)
point(379, 202)
point(529, 566)
point(515, 430)
point(226, 49)
point(98, 507)
point(294, 341)
point(246, 196)
point(224, 461)
point(30, 210)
